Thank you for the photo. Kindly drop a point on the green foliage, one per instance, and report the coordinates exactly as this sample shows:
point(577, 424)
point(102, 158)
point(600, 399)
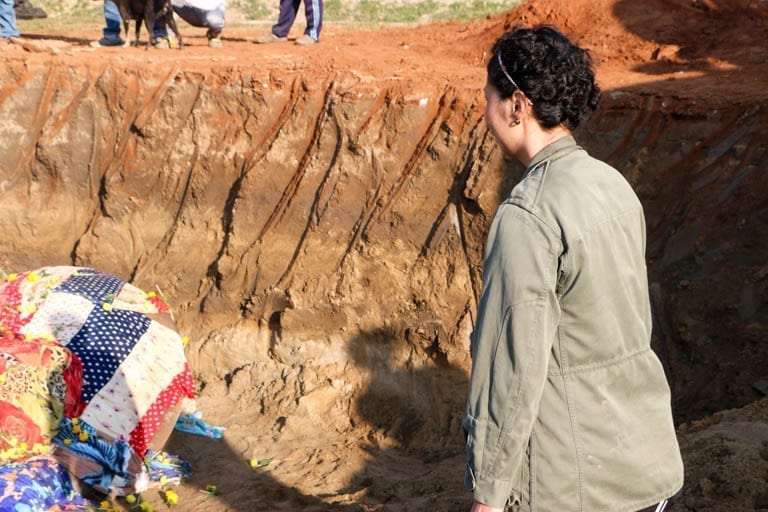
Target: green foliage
point(463, 11)
point(253, 9)
point(65, 15)
point(389, 12)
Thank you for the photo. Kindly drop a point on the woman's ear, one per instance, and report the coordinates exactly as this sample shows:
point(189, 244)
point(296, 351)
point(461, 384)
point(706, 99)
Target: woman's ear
point(511, 111)
point(520, 105)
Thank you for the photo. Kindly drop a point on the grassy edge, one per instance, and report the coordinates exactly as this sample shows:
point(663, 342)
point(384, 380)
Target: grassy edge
point(80, 16)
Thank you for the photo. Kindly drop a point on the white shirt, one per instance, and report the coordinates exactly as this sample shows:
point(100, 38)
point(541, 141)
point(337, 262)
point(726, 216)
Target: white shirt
point(203, 5)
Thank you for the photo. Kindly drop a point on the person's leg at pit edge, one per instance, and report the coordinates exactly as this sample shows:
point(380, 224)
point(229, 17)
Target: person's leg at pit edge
point(8, 28)
point(280, 30)
point(113, 25)
point(314, 12)
point(212, 19)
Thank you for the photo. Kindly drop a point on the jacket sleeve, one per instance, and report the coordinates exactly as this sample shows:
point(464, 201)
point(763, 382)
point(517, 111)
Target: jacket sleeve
point(517, 320)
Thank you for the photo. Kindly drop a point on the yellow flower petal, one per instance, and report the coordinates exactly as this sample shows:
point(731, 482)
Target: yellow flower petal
point(171, 498)
point(106, 306)
point(83, 436)
point(33, 277)
point(11, 277)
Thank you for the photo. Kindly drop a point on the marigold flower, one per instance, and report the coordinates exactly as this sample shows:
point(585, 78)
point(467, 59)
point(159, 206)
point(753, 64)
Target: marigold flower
point(67, 441)
point(83, 436)
point(185, 340)
point(256, 463)
point(11, 277)
point(75, 428)
point(75, 421)
point(105, 504)
point(171, 498)
point(33, 277)
point(41, 448)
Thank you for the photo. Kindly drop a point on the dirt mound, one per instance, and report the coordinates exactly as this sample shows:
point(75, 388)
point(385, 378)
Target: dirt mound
point(317, 218)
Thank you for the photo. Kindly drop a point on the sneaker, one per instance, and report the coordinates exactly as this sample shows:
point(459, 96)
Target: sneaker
point(26, 11)
point(108, 41)
point(214, 42)
point(270, 38)
point(305, 40)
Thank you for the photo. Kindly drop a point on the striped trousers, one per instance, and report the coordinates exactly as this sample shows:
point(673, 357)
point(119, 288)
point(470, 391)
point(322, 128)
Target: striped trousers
point(288, 11)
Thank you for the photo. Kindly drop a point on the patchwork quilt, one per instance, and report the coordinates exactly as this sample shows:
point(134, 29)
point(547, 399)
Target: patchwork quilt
point(89, 366)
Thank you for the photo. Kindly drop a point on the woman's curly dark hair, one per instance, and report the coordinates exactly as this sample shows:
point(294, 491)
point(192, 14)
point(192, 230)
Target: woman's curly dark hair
point(555, 74)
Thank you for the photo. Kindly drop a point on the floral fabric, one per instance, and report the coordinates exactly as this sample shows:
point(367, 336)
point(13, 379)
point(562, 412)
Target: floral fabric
point(38, 484)
point(79, 345)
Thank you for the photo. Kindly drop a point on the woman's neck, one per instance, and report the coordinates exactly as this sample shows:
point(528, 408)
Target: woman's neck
point(537, 139)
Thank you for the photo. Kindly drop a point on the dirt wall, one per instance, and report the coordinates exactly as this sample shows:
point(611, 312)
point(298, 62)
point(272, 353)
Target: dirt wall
point(314, 212)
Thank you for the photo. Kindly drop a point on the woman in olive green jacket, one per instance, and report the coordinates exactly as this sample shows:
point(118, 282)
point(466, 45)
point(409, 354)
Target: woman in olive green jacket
point(568, 407)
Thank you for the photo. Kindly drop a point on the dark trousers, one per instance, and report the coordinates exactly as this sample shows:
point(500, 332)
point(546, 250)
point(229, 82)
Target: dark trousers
point(288, 11)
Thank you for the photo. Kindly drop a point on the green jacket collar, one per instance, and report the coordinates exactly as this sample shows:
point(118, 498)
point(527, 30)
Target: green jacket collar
point(562, 145)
